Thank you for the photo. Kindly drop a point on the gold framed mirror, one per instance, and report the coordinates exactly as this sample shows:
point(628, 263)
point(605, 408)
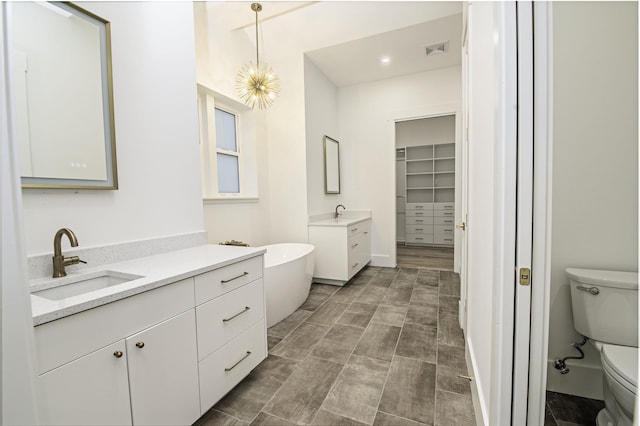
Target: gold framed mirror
point(63, 95)
point(331, 166)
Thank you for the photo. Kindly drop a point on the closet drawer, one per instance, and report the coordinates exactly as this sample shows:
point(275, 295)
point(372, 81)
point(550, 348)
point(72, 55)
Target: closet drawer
point(444, 206)
point(443, 239)
point(216, 283)
point(418, 220)
point(419, 229)
point(419, 238)
point(443, 229)
point(443, 220)
point(420, 206)
point(419, 213)
point(227, 366)
point(222, 319)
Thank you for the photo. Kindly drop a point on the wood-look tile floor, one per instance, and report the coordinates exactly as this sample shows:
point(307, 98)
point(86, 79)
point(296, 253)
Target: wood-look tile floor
point(385, 349)
point(440, 258)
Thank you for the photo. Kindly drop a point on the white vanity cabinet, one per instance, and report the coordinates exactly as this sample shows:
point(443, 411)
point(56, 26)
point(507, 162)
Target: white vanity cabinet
point(340, 251)
point(99, 376)
point(159, 357)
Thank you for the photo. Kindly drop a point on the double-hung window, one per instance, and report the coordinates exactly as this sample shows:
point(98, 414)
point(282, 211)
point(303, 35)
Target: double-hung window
point(228, 132)
point(227, 152)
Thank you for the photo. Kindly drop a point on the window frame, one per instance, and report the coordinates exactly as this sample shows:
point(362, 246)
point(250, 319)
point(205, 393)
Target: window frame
point(237, 153)
point(208, 100)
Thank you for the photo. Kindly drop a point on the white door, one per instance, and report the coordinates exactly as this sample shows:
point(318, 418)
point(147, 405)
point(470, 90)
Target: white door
point(524, 214)
point(464, 189)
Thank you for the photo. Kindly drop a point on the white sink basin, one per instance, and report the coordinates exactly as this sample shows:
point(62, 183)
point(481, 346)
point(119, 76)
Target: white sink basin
point(86, 283)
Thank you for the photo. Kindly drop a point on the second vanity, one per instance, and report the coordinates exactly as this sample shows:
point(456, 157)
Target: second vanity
point(343, 245)
point(161, 348)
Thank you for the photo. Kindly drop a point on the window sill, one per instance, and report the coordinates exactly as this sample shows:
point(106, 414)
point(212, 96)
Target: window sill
point(229, 200)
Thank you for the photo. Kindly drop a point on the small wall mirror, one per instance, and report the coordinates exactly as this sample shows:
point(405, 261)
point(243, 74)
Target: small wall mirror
point(63, 96)
point(331, 166)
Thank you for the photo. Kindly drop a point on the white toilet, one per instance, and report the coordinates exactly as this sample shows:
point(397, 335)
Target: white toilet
point(605, 309)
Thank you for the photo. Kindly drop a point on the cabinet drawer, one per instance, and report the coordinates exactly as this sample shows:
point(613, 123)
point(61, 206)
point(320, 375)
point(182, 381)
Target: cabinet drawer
point(443, 230)
point(222, 319)
point(444, 206)
point(443, 220)
point(419, 213)
point(420, 206)
point(419, 238)
point(69, 338)
point(413, 220)
point(226, 367)
point(420, 229)
point(443, 239)
point(363, 227)
point(216, 283)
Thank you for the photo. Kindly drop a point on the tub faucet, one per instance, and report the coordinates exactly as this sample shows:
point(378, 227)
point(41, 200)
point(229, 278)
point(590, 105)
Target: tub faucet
point(59, 261)
point(337, 215)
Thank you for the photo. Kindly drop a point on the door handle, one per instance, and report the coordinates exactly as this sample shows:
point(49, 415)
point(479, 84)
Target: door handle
point(462, 226)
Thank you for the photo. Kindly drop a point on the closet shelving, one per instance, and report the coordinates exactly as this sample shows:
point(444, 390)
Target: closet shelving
point(426, 193)
point(430, 173)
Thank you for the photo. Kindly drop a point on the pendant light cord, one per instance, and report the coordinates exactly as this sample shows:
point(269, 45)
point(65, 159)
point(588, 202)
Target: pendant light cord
point(257, 47)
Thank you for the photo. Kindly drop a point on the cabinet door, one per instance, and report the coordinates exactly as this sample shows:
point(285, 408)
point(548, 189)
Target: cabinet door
point(163, 372)
point(92, 390)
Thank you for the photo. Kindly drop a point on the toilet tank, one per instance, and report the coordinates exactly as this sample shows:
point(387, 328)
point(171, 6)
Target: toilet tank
point(605, 305)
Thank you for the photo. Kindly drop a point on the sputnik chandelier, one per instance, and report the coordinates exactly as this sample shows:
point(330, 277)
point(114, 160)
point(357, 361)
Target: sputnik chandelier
point(257, 84)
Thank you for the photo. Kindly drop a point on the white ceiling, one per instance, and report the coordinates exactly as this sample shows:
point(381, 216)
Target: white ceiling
point(347, 39)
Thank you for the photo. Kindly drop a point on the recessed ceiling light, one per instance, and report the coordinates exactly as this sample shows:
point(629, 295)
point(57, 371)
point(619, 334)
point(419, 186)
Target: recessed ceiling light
point(385, 60)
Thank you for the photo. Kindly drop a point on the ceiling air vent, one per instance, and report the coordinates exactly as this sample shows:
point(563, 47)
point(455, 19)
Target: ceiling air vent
point(437, 48)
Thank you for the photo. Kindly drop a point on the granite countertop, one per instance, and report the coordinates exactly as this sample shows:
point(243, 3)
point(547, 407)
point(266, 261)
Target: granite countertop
point(154, 271)
point(346, 218)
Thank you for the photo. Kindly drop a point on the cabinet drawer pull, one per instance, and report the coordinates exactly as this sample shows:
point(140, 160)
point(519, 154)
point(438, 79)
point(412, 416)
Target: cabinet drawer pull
point(419, 213)
point(419, 220)
point(448, 221)
point(419, 229)
point(365, 232)
point(234, 278)
point(239, 361)
point(419, 238)
point(246, 308)
point(354, 229)
point(419, 207)
point(354, 265)
point(140, 345)
point(448, 239)
point(448, 214)
point(355, 245)
point(118, 354)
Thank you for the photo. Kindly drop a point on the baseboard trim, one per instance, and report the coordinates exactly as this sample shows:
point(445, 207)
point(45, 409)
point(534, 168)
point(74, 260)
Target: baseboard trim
point(382, 260)
point(478, 407)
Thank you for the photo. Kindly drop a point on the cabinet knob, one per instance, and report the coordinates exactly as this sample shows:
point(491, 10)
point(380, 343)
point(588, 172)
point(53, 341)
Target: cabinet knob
point(118, 354)
point(140, 345)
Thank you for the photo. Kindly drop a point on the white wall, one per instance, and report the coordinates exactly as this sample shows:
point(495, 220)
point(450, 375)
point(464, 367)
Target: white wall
point(595, 163)
point(321, 118)
point(367, 127)
point(156, 135)
point(480, 229)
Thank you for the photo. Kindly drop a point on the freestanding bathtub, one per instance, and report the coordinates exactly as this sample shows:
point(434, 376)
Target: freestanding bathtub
point(288, 271)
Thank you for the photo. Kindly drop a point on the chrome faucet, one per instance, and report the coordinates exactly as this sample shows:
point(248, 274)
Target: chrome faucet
point(337, 215)
point(59, 261)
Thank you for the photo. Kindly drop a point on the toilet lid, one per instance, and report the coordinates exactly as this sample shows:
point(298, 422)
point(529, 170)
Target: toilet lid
point(623, 360)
